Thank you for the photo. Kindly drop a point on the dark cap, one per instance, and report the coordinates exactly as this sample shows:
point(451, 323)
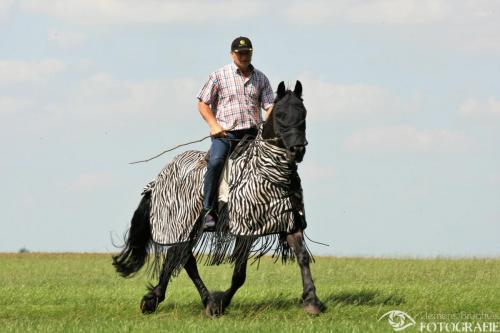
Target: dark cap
point(241, 44)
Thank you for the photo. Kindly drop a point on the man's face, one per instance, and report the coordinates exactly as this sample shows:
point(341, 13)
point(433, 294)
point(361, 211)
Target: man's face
point(242, 59)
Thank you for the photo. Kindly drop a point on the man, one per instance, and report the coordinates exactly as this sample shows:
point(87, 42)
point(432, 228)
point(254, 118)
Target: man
point(230, 102)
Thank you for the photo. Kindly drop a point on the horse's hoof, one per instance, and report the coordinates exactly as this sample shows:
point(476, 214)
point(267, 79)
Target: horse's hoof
point(213, 309)
point(314, 308)
point(149, 303)
point(221, 299)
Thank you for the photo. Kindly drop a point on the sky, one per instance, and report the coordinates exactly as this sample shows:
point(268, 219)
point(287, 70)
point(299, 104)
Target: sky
point(403, 101)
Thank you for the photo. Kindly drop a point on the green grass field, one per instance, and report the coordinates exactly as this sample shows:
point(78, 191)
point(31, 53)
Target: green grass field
point(82, 293)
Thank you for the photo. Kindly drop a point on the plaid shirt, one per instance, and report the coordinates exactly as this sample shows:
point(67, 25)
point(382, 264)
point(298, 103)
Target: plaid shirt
point(234, 98)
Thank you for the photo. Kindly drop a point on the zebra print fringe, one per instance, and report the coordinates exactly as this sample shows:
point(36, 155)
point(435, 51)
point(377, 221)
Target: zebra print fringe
point(220, 247)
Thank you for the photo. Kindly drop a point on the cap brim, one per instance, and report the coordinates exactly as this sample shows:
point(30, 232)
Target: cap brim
point(243, 49)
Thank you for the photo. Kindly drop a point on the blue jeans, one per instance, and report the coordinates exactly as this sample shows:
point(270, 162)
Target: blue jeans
point(219, 151)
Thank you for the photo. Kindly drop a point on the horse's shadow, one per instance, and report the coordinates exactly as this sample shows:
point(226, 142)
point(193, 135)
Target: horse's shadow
point(364, 298)
point(360, 298)
point(283, 302)
point(245, 307)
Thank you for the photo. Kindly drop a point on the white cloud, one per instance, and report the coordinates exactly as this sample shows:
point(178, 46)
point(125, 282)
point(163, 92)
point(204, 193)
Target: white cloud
point(326, 99)
point(394, 12)
point(102, 101)
point(489, 108)
point(406, 138)
point(92, 12)
point(460, 23)
point(103, 95)
point(65, 39)
point(16, 71)
point(10, 105)
point(378, 11)
point(5, 8)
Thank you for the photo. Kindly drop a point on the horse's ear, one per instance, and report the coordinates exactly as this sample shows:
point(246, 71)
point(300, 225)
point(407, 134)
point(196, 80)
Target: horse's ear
point(281, 89)
point(298, 89)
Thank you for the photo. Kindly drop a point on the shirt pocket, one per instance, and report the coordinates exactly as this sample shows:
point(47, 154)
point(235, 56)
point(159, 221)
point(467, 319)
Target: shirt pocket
point(252, 92)
point(228, 93)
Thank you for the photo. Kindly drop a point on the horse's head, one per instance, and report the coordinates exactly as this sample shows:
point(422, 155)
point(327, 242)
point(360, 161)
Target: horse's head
point(287, 122)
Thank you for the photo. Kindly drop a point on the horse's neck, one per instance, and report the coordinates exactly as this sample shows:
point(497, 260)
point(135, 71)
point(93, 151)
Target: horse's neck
point(270, 162)
point(269, 147)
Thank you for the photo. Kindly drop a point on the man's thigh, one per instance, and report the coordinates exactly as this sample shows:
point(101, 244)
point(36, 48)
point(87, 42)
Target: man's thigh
point(220, 148)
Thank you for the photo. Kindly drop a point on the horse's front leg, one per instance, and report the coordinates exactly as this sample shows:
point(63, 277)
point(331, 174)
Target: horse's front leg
point(310, 301)
point(241, 253)
point(156, 294)
point(211, 308)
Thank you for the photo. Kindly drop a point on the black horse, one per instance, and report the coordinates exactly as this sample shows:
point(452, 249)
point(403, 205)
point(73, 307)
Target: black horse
point(285, 128)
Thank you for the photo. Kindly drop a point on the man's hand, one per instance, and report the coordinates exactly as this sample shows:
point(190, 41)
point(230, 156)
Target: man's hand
point(217, 131)
point(268, 112)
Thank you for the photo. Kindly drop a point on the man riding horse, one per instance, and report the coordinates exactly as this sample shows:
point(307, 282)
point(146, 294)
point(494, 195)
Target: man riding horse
point(230, 102)
point(263, 210)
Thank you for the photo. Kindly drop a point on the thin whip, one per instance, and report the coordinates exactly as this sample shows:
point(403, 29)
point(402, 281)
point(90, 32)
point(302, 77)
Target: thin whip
point(181, 145)
point(315, 241)
point(166, 151)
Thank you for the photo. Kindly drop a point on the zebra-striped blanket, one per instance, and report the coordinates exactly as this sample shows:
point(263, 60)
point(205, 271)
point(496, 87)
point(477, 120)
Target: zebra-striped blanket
point(263, 191)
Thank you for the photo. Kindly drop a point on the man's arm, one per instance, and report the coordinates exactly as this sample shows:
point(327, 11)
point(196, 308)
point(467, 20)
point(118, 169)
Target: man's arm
point(267, 98)
point(268, 112)
point(216, 130)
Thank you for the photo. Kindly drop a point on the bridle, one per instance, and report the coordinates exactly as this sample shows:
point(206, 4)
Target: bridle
point(289, 124)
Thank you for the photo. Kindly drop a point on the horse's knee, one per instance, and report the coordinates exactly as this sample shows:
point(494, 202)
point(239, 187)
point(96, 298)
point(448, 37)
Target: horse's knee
point(295, 241)
point(303, 257)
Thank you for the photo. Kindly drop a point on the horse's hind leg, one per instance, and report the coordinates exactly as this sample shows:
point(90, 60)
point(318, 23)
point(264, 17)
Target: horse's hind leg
point(310, 301)
point(156, 294)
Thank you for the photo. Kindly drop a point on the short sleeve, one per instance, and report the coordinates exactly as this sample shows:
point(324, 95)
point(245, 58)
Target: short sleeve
point(209, 93)
point(267, 95)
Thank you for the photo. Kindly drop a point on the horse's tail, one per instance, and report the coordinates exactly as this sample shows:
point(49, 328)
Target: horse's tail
point(138, 240)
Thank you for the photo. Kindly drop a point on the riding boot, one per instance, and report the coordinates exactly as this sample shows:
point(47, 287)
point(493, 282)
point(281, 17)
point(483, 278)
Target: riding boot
point(209, 219)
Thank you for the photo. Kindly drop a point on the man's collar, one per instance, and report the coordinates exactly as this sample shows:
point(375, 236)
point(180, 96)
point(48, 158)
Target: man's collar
point(237, 70)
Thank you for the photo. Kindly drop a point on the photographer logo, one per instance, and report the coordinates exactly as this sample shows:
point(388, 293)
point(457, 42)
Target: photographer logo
point(399, 320)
